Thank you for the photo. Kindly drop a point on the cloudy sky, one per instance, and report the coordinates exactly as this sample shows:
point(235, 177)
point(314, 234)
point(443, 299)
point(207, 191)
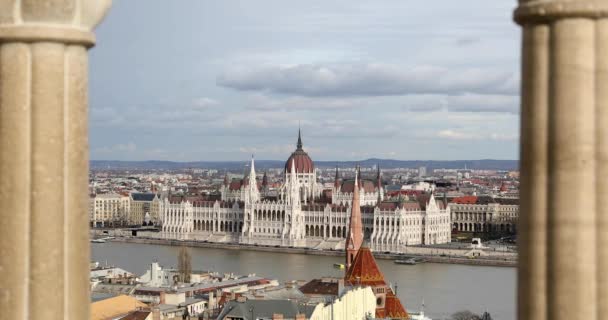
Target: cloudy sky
point(219, 80)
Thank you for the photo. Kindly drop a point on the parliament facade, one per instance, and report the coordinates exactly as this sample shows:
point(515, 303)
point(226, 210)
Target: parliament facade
point(301, 214)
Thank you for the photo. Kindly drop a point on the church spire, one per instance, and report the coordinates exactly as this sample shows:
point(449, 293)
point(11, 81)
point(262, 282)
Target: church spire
point(299, 139)
point(355, 230)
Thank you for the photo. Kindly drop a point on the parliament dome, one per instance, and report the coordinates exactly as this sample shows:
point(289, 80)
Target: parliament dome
point(301, 159)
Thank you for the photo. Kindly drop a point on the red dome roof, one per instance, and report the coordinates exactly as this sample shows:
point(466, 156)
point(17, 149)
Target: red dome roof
point(301, 159)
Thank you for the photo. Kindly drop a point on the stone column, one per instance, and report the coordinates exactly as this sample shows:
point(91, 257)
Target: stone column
point(44, 247)
point(563, 149)
point(601, 88)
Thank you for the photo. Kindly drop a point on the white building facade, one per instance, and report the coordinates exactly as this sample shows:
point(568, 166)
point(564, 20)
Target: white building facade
point(298, 217)
point(485, 214)
point(109, 210)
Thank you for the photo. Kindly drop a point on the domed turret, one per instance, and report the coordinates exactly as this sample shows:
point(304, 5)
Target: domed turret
point(300, 159)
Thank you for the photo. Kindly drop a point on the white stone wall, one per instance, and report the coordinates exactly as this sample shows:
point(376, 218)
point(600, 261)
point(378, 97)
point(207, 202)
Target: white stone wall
point(491, 217)
point(393, 230)
point(365, 198)
point(355, 304)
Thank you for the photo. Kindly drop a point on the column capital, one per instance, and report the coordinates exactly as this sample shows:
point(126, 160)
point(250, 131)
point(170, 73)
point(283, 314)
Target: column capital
point(544, 11)
point(64, 21)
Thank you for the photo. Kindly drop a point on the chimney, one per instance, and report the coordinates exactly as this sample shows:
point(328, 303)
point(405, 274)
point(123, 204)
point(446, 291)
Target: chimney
point(162, 297)
point(277, 316)
point(300, 316)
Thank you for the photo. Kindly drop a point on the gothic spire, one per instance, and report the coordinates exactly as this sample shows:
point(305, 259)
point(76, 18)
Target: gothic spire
point(252, 180)
point(265, 180)
point(379, 177)
point(299, 139)
point(355, 233)
point(337, 179)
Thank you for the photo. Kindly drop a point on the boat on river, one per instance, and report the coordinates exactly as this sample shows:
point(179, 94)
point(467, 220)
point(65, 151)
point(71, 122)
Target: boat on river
point(410, 261)
point(101, 240)
point(339, 265)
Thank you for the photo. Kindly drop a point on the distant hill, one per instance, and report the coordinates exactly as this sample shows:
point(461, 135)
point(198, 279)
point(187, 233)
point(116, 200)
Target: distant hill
point(267, 164)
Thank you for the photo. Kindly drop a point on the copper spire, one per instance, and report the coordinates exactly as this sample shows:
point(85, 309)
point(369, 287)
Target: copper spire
point(354, 238)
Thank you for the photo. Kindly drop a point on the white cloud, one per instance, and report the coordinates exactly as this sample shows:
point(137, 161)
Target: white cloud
point(204, 102)
point(450, 134)
point(129, 147)
point(366, 79)
point(457, 135)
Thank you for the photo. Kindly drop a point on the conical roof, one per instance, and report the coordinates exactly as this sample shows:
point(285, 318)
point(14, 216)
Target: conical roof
point(393, 309)
point(365, 272)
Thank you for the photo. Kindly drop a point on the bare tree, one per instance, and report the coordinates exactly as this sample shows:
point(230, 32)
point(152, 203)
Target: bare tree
point(184, 265)
point(465, 315)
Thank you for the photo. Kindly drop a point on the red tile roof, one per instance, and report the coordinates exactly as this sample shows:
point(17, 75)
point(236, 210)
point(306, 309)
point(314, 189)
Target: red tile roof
point(393, 309)
point(465, 200)
point(349, 185)
point(235, 184)
point(320, 287)
point(365, 271)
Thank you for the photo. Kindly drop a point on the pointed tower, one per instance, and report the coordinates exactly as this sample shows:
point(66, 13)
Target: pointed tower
point(254, 193)
point(225, 188)
point(379, 185)
point(337, 180)
point(299, 145)
point(354, 238)
point(431, 206)
point(265, 183)
point(294, 187)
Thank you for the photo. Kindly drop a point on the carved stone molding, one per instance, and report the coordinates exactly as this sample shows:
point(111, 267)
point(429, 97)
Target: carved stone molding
point(543, 11)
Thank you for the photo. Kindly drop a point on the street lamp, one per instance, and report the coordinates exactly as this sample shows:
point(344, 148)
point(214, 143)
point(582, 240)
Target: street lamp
point(251, 310)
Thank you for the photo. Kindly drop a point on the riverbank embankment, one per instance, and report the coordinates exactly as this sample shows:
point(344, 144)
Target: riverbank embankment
point(429, 255)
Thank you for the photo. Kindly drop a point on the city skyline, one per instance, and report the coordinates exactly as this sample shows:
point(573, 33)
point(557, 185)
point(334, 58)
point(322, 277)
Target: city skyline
point(373, 80)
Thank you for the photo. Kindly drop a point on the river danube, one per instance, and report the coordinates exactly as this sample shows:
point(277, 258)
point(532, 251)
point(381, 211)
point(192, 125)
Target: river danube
point(444, 288)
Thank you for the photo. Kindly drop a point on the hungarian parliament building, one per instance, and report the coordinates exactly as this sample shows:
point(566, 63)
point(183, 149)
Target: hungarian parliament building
point(300, 213)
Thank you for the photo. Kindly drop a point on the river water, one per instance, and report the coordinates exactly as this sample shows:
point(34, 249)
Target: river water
point(445, 288)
